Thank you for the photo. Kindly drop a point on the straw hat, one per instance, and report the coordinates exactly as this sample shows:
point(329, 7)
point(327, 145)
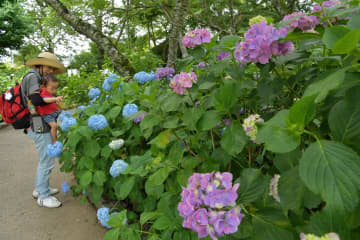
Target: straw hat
point(47, 59)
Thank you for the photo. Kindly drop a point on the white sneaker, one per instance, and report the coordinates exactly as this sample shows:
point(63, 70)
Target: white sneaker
point(53, 191)
point(49, 202)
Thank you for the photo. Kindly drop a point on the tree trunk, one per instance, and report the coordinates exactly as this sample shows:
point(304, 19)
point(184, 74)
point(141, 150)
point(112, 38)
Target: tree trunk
point(232, 17)
point(177, 25)
point(184, 52)
point(120, 62)
point(100, 51)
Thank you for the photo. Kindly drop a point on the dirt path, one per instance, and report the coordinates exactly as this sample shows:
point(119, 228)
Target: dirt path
point(20, 216)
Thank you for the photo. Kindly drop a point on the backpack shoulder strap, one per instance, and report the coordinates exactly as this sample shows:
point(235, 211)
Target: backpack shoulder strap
point(37, 75)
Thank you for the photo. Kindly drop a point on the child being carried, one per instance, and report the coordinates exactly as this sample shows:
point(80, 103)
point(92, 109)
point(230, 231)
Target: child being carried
point(50, 112)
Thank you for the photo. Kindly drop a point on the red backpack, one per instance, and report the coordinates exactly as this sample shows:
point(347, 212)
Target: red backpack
point(12, 109)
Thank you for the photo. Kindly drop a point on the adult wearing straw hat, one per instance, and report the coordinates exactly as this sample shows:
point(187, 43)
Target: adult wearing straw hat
point(46, 63)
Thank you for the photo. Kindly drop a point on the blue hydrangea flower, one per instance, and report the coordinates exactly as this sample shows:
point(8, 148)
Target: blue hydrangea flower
point(97, 122)
point(129, 109)
point(65, 114)
point(143, 77)
point(118, 167)
point(82, 107)
point(94, 93)
point(84, 192)
point(67, 122)
point(54, 150)
point(103, 216)
point(65, 187)
point(107, 85)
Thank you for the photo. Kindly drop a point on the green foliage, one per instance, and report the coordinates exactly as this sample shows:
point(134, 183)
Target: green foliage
point(309, 103)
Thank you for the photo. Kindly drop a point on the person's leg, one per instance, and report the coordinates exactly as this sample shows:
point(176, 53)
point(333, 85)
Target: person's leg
point(53, 131)
point(45, 165)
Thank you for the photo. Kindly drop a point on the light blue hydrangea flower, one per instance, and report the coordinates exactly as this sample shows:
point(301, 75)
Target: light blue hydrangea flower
point(54, 150)
point(103, 216)
point(94, 93)
point(118, 167)
point(129, 109)
point(65, 187)
point(67, 122)
point(84, 192)
point(97, 122)
point(107, 85)
point(143, 77)
point(65, 114)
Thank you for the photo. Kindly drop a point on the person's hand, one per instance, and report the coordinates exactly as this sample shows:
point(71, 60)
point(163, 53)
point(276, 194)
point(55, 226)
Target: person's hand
point(59, 99)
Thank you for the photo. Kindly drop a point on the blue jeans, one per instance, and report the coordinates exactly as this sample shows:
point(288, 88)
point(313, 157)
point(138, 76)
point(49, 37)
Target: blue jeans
point(46, 163)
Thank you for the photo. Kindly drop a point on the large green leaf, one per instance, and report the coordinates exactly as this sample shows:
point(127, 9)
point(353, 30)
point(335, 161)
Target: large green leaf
point(271, 224)
point(233, 139)
point(122, 190)
point(334, 34)
point(191, 116)
point(118, 219)
point(347, 43)
point(322, 87)
point(96, 193)
point(99, 178)
point(162, 223)
point(209, 120)
point(291, 190)
point(303, 111)
point(354, 22)
point(159, 176)
point(286, 161)
point(227, 95)
point(252, 185)
point(162, 140)
point(148, 216)
point(332, 170)
point(113, 234)
point(344, 122)
point(276, 135)
point(92, 148)
point(176, 154)
point(148, 123)
point(86, 178)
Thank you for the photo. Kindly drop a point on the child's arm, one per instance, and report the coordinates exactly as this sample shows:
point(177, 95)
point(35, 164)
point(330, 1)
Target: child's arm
point(52, 99)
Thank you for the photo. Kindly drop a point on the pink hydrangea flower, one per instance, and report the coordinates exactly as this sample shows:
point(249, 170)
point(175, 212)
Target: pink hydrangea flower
point(182, 81)
point(208, 205)
point(196, 37)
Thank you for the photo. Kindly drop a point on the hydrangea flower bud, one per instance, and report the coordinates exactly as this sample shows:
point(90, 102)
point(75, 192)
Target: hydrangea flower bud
point(274, 187)
point(54, 150)
point(250, 127)
point(118, 167)
point(97, 122)
point(257, 20)
point(328, 236)
point(116, 144)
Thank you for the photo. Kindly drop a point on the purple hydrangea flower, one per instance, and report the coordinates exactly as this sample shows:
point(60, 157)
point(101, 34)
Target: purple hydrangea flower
point(140, 118)
point(202, 65)
point(302, 21)
point(182, 81)
point(222, 55)
point(208, 205)
point(164, 72)
point(261, 43)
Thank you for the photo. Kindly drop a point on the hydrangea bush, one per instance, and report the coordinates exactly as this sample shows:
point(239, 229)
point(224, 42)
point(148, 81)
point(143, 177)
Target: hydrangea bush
point(199, 167)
